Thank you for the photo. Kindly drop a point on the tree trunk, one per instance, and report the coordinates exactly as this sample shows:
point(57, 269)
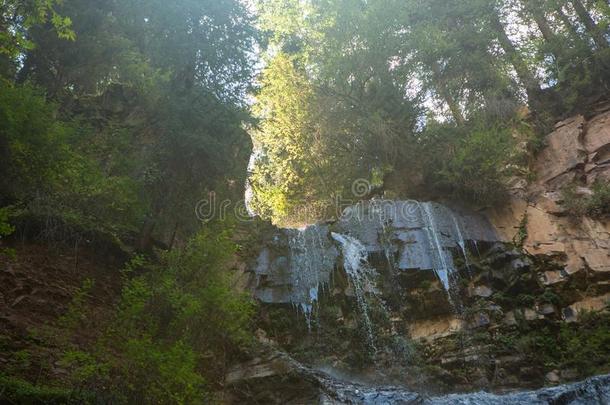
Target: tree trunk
point(565, 20)
point(444, 92)
point(145, 238)
point(173, 238)
point(590, 25)
point(525, 76)
point(540, 19)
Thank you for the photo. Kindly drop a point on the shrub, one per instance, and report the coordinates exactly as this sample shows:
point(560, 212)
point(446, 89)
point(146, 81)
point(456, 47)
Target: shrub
point(595, 205)
point(6, 229)
point(177, 325)
point(46, 169)
point(599, 202)
point(17, 391)
point(475, 169)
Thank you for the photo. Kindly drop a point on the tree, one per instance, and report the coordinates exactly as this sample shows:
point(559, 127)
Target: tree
point(171, 78)
point(330, 109)
point(589, 24)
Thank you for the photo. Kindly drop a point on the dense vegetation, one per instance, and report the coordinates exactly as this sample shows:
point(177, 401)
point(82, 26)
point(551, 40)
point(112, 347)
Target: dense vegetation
point(117, 117)
point(447, 94)
point(126, 114)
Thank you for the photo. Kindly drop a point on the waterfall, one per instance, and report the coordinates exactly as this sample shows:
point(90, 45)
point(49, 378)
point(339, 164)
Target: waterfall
point(361, 275)
point(312, 259)
point(439, 261)
point(460, 240)
point(296, 265)
point(386, 231)
point(257, 153)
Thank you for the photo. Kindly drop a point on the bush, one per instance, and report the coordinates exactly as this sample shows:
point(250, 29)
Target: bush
point(177, 326)
point(46, 171)
point(6, 229)
point(16, 391)
point(595, 205)
point(472, 164)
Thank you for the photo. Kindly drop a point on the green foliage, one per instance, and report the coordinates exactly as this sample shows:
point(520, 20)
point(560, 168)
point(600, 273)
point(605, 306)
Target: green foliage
point(582, 346)
point(19, 391)
point(324, 126)
point(47, 172)
point(595, 204)
point(120, 131)
point(158, 373)
point(6, 229)
point(521, 235)
point(526, 300)
point(550, 297)
point(599, 203)
point(334, 91)
point(294, 153)
point(16, 17)
point(586, 347)
point(473, 165)
point(127, 122)
point(176, 325)
point(76, 314)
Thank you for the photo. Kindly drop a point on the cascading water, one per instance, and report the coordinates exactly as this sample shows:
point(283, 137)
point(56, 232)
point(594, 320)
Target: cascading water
point(440, 263)
point(257, 153)
point(460, 240)
point(311, 261)
point(362, 277)
point(386, 232)
point(414, 236)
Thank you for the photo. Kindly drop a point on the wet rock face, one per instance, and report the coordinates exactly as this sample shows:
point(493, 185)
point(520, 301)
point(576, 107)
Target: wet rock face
point(293, 265)
point(410, 235)
point(404, 325)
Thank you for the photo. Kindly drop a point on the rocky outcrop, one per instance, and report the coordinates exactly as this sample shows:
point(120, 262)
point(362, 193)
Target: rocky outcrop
point(410, 235)
point(457, 300)
point(577, 152)
point(258, 381)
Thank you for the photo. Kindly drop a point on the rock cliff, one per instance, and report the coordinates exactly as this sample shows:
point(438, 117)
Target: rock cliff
point(577, 153)
point(440, 298)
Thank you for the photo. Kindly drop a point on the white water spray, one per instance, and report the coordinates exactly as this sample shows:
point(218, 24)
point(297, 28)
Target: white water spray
point(460, 240)
point(439, 261)
point(312, 260)
point(361, 275)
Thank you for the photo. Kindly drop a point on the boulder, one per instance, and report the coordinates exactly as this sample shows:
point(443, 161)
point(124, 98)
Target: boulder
point(570, 313)
point(552, 377)
point(481, 291)
point(435, 328)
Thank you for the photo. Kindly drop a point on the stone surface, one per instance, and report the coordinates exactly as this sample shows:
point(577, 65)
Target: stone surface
point(598, 133)
point(598, 303)
point(298, 384)
point(564, 150)
point(482, 291)
point(435, 328)
point(552, 377)
point(577, 151)
point(294, 264)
